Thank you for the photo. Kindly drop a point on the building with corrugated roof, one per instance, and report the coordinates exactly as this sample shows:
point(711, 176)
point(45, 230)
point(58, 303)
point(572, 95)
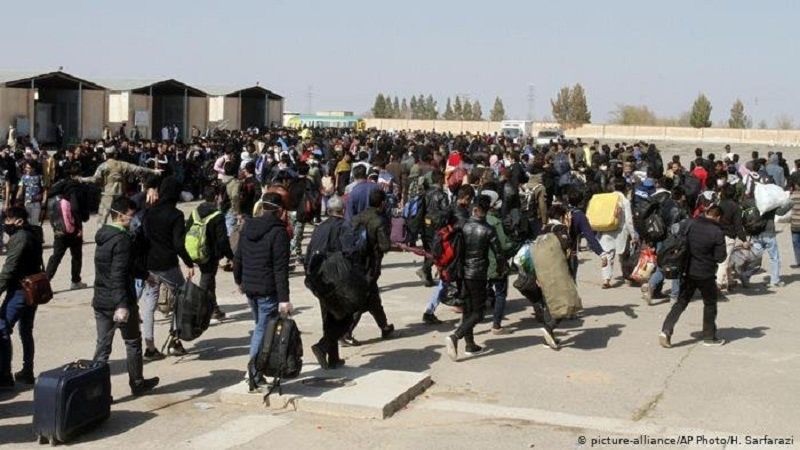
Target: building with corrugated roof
point(236, 108)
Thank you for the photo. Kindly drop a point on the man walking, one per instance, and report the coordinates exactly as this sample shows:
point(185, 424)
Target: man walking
point(114, 300)
point(66, 216)
point(706, 243)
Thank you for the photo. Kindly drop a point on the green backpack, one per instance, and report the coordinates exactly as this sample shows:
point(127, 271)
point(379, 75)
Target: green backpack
point(195, 240)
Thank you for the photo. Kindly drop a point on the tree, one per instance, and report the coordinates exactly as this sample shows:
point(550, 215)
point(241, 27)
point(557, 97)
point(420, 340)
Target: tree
point(379, 108)
point(784, 122)
point(477, 112)
point(414, 106)
point(466, 110)
point(448, 111)
point(578, 110)
point(738, 119)
point(395, 108)
point(701, 112)
point(431, 111)
point(560, 106)
point(633, 115)
point(405, 112)
point(762, 124)
point(498, 112)
point(458, 109)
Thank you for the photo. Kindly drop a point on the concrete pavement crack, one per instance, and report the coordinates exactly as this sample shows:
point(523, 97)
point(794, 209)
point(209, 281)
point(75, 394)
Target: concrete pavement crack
point(644, 411)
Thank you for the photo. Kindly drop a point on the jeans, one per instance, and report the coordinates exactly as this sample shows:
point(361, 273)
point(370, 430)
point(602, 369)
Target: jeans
point(796, 246)
point(438, 292)
point(263, 309)
point(498, 289)
point(34, 211)
point(656, 281)
point(473, 309)
point(60, 245)
point(175, 280)
point(708, 288)
point(131, 333)
point(769, 242)
point(12, 310)
point(230, 222)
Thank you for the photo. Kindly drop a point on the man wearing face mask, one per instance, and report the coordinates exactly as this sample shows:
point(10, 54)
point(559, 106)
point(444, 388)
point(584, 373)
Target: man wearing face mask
point(114, 300)
point(23, 258)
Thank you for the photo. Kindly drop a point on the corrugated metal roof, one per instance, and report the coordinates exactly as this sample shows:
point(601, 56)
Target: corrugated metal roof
point(13, 77)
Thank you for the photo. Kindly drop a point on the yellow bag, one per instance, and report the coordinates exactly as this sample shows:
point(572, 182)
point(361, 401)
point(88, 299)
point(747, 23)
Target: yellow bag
point(604, 212)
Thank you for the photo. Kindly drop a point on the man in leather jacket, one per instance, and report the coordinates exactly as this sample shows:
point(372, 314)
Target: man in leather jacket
point(479, 237)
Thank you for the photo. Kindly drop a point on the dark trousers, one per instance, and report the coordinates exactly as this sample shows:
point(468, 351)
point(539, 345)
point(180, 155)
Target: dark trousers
point(131, 333)
point(708, 289)
point(60, 245)
point(496, 294)
point(333, 329)
point(473, 310)
point(374, 307)
point(208, 282)
point(427, 263)
point(13, 310)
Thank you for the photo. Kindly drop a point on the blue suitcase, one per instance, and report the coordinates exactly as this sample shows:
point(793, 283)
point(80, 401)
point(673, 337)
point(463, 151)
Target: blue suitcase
point(70, 400)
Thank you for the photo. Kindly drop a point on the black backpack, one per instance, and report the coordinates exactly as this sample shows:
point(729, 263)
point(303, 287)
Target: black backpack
point(192, 312)
point(280, 355)
point(56, 216)
point(674, 254)
point(655, 229)
point(752, 220)
point(643, 210)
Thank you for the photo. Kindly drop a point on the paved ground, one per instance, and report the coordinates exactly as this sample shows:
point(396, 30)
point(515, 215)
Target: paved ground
point(611, 379)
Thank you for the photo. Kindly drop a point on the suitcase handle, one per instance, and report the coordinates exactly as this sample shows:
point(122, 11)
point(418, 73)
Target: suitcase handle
point(77, 365)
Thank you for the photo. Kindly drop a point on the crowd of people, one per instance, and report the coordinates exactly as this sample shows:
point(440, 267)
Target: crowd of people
point(470, 204)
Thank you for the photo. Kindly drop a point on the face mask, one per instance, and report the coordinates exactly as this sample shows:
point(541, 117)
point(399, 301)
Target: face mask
point(603, 168)
point(10, 229)
point(720, 183)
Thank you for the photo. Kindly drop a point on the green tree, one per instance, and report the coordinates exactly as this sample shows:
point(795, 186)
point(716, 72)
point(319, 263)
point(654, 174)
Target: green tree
point(448, 111)
point(700, 116)
point(784, 122)
point(379, 108)
point(578, 110)
point(414, 106)
point(561, 106)
point(738, 118)
point(405, 112)
point(431, 110)
point(458, 109)
point(396, 108)
point(498, 112)
point(477, 112)
point(466, 110)
point(633, 115)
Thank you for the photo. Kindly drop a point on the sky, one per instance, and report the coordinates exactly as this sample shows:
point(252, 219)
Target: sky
point(324, 55)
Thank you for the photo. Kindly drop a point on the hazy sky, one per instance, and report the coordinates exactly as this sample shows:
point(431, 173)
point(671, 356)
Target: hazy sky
point(661, 54)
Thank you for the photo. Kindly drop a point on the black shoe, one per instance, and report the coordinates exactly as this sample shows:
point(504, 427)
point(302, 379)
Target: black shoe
point(144, 386)
point(320, 355)
point(386, 333)
point(24, 377)
point(175, 348)
point(472, 350)
point(217, 316)
point(336, 364)
point(451, 342)
point(431, 319)
point(349, 341)
point(6, 383)
point(153, 355)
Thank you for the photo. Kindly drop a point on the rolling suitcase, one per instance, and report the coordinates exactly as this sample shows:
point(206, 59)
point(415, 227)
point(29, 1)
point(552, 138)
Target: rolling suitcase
point(70, 400)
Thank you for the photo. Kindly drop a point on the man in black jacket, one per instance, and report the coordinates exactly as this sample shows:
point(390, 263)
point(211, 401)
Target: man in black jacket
point(372, 221)
point(164, 226)
point(23, 258)
point(436, 211)
point(731, 225)
point(706, 244)
point(217, 244)
point(67, 229)
point(478, 238)
point(261, 269)
point(114, 299)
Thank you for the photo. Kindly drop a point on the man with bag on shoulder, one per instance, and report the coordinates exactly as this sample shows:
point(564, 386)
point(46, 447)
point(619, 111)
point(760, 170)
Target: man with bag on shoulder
point(114, 300)
point(23, 258)
point(333, 235)
point(261, 270)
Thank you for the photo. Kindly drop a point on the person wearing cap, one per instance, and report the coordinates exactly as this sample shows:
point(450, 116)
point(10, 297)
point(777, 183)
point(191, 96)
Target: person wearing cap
point(479, 238)
point(115, 174)
point(335, 234)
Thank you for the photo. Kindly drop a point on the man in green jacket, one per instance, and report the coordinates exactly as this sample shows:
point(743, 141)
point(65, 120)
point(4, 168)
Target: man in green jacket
point(497, 290)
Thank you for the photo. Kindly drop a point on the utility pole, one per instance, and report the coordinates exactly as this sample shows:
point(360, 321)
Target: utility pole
point(531, 101)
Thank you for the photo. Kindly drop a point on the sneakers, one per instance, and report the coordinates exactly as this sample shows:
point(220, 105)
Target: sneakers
point(24, 377)
point(431, 319)
point(716, 342)
point(78, 285)
point(144, 386)
point(497, 331)
point(665, 340)
point(425, 278)
point(152, 354)
point(336, 364)
point(474, 349)
point(322, 360)
point(387, 332)
point(647, 294)
point(779, 284)
point(175, 348)
point(350, 341)
point(452, 347)
point(549, 339)
point(217, 316)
